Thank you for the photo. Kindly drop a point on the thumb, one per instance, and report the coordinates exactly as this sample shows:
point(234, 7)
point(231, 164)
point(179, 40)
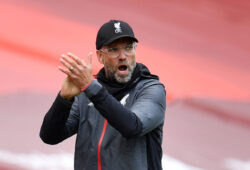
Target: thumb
point(89, 60)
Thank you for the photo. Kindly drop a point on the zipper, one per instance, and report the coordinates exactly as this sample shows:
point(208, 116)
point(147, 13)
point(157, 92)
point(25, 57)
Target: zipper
point(99, 145)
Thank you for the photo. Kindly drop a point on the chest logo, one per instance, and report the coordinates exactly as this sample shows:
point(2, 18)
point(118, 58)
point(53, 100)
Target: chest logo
point(123, 100)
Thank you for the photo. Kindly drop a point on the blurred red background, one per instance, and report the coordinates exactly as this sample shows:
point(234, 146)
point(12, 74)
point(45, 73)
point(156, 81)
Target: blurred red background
point(200, 50)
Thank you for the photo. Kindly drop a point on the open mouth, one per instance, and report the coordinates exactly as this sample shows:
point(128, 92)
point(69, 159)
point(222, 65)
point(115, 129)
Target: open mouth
point(122, 68)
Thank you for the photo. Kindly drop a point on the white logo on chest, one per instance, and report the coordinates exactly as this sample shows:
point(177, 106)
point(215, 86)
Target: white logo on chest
point(123, 100)
point(118, 28)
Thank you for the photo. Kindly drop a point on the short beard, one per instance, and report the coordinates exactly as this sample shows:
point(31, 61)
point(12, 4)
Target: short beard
point(112, 74)
point(126, 79)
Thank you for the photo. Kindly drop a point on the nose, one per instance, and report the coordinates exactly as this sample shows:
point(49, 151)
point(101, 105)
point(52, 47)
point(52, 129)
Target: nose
point(122, 55)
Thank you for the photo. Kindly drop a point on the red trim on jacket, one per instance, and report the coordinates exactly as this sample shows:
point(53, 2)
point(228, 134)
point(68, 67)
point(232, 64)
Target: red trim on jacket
point(99, 145)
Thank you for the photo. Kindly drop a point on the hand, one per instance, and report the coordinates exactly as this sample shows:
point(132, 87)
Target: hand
point(79, 74)
point(69, 89)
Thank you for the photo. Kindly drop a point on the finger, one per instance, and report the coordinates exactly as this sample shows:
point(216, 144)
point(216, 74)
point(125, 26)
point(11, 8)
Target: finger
point(90, 58)
point(68, 66)
point(68, 61)
point(75, 58)
point(65, 71)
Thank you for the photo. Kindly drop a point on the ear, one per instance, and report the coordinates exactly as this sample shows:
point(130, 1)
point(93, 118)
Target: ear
point(100, 57)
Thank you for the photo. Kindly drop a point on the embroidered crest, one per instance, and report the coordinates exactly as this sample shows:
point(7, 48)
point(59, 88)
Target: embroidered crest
point(118, 28)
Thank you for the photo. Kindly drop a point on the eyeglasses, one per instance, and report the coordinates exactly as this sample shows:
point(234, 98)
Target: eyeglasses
point(114, 52)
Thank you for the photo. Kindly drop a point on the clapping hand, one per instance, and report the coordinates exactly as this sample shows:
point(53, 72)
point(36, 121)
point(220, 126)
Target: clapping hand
point(79, 74)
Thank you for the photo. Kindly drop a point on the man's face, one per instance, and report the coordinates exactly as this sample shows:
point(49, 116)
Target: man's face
point(118, 67)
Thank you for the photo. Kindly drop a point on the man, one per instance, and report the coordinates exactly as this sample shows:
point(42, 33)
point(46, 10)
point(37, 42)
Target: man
point(118, 118)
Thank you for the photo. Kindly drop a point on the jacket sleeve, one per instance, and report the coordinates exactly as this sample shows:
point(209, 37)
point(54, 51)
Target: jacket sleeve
point(146, 113)
point(150, 107)
point(61, 121)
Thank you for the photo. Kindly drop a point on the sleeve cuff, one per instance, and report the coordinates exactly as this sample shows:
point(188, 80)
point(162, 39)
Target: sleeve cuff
point(93, 89)
point(60, 99)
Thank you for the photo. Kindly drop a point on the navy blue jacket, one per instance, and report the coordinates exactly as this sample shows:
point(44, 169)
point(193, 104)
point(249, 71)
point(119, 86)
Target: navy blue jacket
point(111, 134)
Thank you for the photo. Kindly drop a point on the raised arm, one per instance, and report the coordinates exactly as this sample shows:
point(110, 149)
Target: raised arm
point(146, 113)
point(61, 121)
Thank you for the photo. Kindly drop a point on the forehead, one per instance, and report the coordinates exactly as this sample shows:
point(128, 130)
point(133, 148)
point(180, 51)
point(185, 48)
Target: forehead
point(121, 41)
